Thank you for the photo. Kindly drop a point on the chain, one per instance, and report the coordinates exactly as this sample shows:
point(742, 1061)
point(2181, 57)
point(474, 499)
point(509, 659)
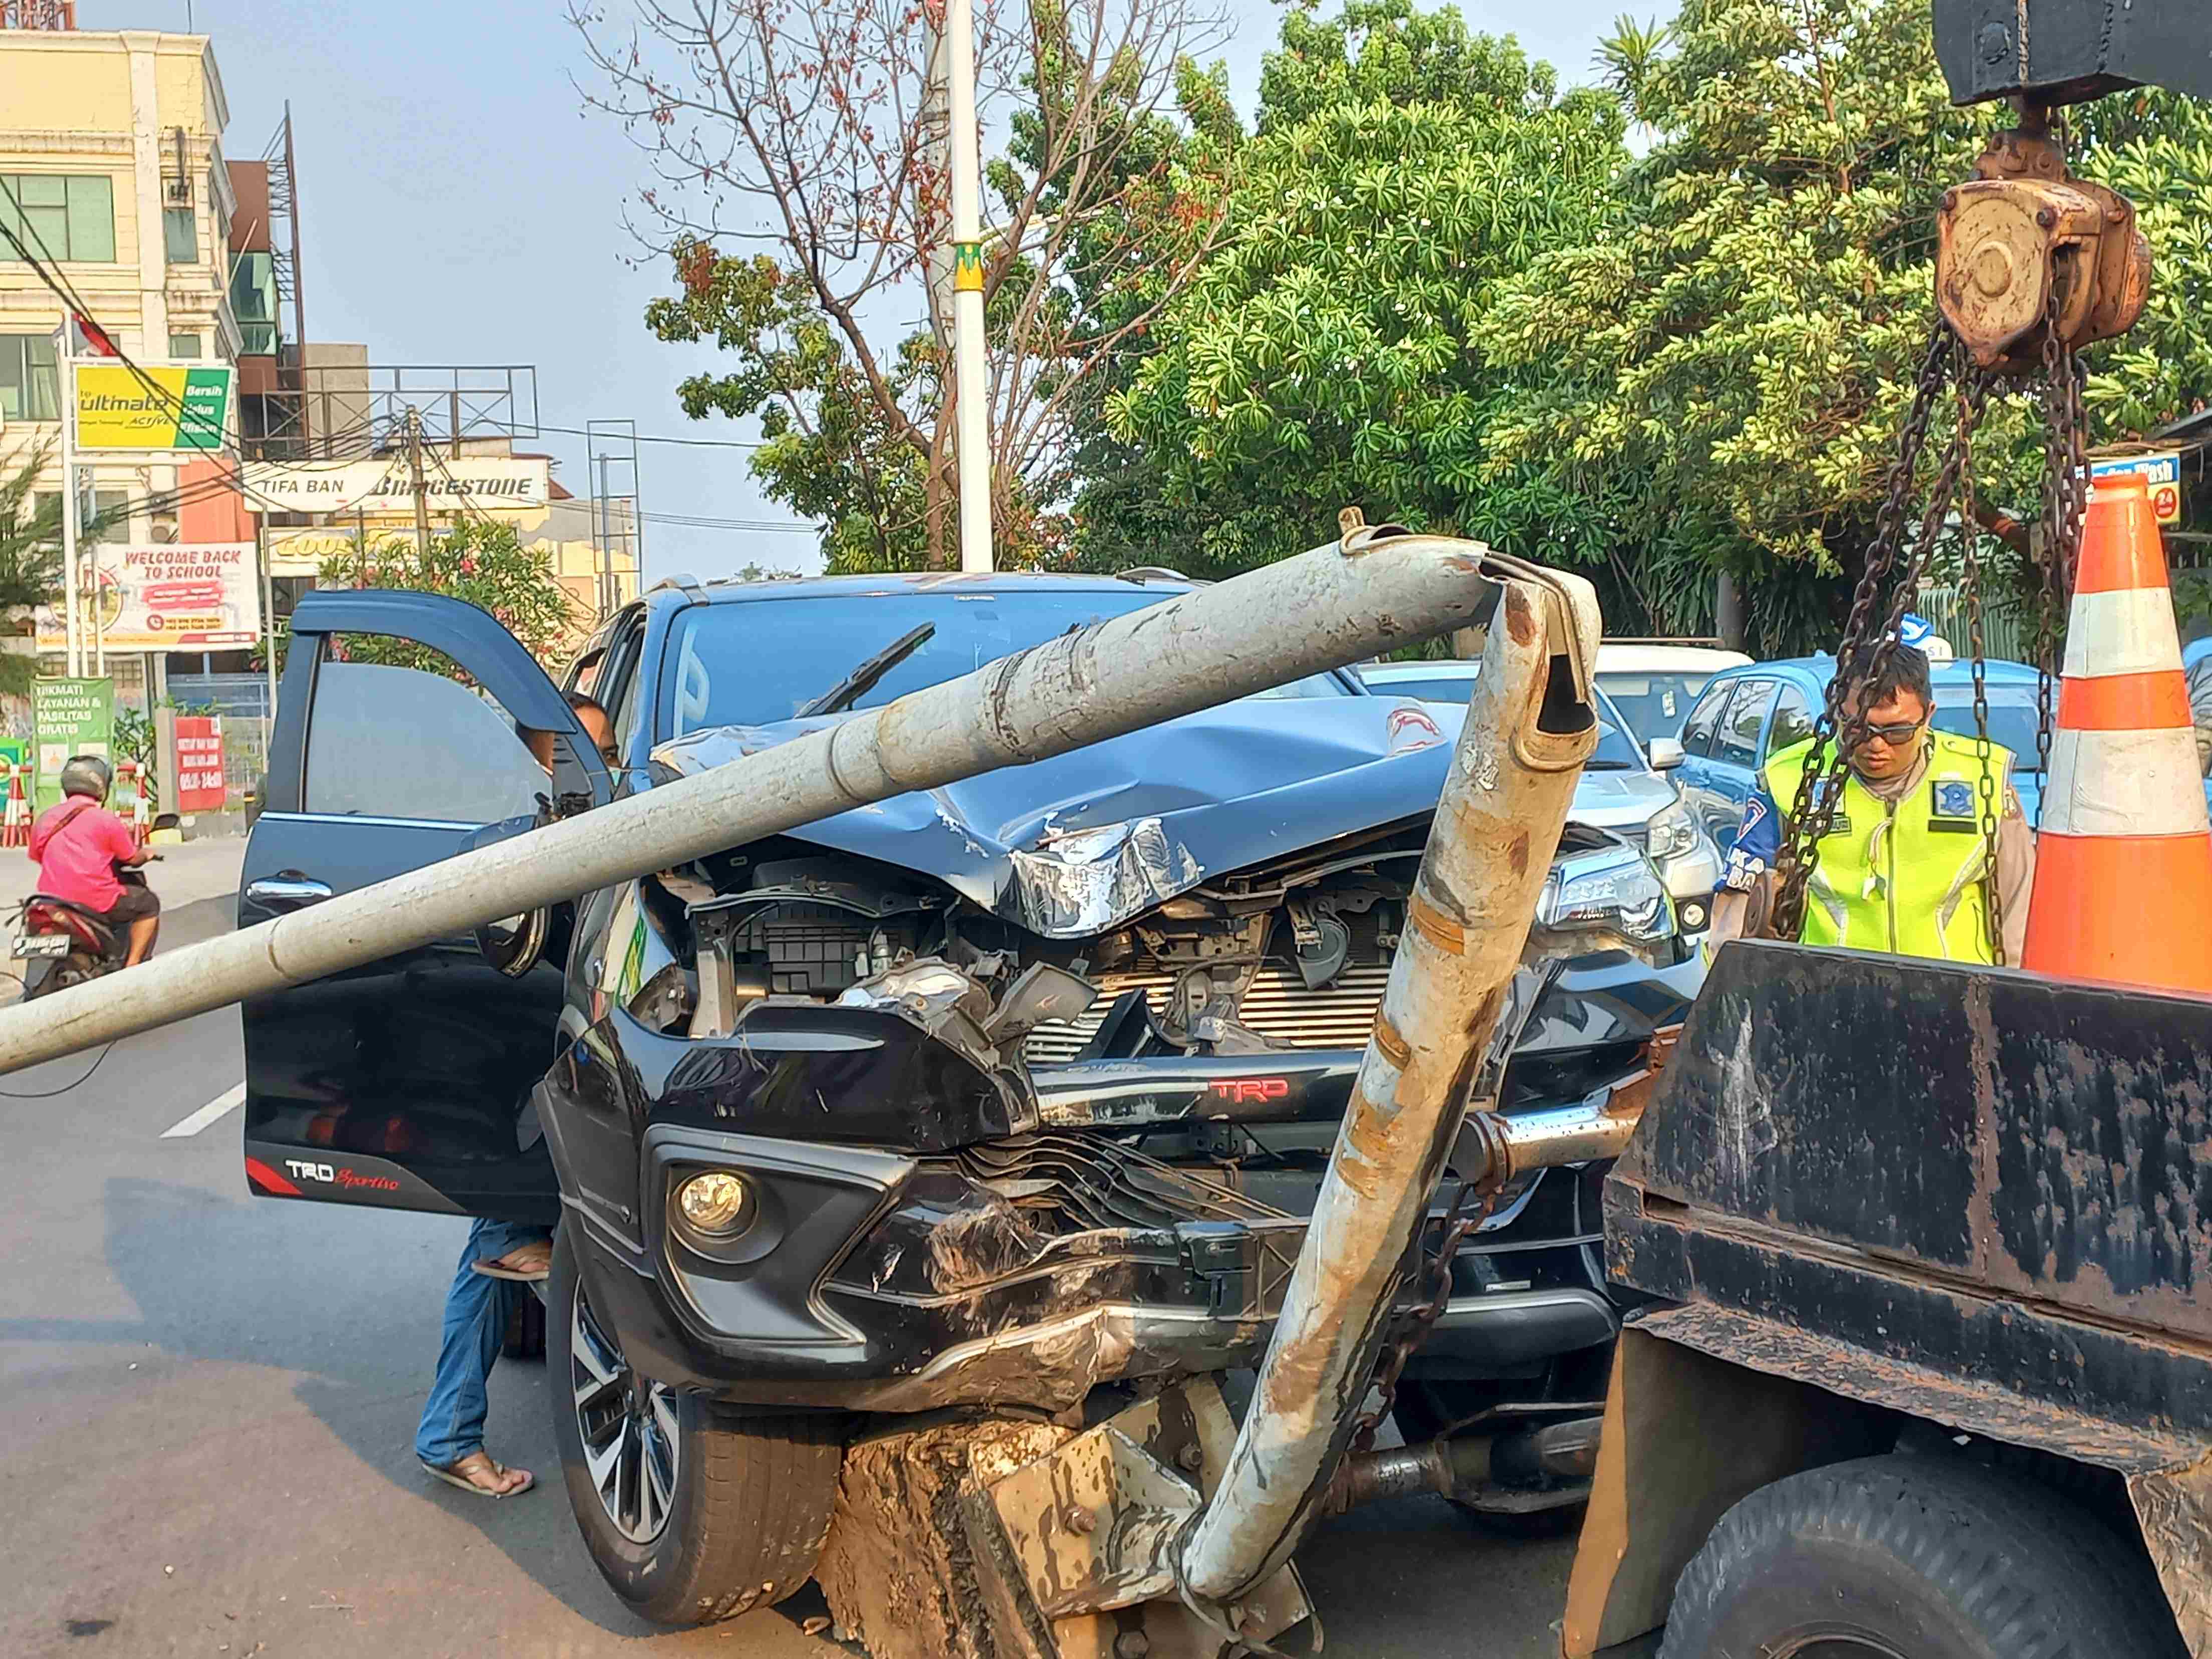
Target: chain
point(1969, 530)
point(1866, 648)
point(1460, 1223)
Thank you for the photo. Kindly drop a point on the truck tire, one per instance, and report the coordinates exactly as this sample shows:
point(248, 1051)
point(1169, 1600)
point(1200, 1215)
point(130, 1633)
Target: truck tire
point(1926, 1556)
point(741, 1523)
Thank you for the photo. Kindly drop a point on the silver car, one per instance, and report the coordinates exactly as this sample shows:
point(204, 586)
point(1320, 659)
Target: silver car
point(1621, 790)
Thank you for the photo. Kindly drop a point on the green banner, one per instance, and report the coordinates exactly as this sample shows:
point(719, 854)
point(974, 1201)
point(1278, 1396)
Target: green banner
point(71, 717)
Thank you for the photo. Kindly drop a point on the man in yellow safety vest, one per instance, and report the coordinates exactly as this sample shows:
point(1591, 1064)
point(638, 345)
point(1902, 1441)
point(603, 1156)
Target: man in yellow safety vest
point(1901, 866)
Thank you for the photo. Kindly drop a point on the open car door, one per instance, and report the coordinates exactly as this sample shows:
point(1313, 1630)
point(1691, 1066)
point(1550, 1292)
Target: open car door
point(401, 739)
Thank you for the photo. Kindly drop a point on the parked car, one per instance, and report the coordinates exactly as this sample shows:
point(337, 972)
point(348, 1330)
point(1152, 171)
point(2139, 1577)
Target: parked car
point(1654, 682)
point(981, 1097)
point(1624, 788)
point(1746, 714)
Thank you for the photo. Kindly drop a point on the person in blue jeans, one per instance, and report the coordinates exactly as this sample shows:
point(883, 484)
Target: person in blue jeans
point(499, 1263)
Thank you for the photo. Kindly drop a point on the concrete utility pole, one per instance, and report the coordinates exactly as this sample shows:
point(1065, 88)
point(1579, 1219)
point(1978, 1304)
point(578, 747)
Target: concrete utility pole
point(971, 395)
point(1336, 605)
point(414, 478)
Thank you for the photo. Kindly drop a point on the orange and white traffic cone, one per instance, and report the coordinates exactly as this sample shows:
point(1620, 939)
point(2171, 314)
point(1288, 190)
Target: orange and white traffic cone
point(2124, 863)
point(16, 825)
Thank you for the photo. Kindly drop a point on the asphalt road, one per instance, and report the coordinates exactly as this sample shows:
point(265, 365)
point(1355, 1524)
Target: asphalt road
point(207, 1401)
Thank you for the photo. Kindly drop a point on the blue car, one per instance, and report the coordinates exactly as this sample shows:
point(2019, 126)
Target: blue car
point(1747, 713)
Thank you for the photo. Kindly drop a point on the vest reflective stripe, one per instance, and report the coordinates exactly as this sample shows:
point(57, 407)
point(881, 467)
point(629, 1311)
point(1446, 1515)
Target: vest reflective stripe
point(1892, 879)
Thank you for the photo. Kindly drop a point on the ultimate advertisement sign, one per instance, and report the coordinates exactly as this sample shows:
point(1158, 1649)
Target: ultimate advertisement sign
point(187, 407)
point(166, 596)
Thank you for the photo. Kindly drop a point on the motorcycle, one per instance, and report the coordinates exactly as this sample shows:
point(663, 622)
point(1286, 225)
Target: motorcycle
point(61, 943)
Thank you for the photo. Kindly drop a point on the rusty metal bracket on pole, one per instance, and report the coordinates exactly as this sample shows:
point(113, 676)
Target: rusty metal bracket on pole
point(1530, 728)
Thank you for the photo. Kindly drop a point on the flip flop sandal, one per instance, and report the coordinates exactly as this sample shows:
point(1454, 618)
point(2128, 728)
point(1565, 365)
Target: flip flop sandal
point(518, 1275)
point(450, 1476)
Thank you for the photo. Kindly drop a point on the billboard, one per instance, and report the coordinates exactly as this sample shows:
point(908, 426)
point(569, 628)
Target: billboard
point(187, 407)
point(387, 486)
point(166, 596)
point(302, 552)
point(2160, 469)
point(199, 763)
point(69, 717)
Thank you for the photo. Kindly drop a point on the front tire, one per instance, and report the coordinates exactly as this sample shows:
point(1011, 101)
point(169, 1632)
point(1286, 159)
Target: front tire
point(691, 1515)
point(1914, 1558)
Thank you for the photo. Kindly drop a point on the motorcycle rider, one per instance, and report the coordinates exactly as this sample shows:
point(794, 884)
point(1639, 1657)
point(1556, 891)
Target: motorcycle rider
point(78, 844)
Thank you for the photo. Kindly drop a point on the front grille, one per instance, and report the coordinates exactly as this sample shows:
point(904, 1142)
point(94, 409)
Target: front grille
point(1277, 1005)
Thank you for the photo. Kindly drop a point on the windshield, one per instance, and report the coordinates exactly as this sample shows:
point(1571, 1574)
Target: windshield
point(1655, 705)
point(1615, 752)
point(2012, 718)
point(760, 661)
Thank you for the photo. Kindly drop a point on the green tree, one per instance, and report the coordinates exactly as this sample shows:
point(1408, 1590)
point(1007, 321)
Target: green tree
point(1328, 352)
point(812, 129)
point(1737, 345)
point(479, 560)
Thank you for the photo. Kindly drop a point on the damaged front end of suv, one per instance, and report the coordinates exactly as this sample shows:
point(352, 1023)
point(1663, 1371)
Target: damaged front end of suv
point(988, 1095)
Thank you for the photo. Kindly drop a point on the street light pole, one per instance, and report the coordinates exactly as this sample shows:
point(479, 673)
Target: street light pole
point(972, 433)
point(73, 638)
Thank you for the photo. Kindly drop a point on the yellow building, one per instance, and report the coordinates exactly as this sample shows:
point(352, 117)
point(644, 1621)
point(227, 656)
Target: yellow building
point(112, 158)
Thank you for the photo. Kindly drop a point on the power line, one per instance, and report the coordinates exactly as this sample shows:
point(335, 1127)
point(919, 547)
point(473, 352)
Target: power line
point(646, 438)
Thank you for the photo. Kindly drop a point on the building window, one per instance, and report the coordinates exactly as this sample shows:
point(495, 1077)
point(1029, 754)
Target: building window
point(180, 235)
point(184, 345)
point(253, 302)
point(61, 215)
point(109, 521)
point(30, 377)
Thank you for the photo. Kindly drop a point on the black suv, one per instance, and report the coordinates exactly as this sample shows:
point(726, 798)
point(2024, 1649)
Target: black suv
point(987, 1096)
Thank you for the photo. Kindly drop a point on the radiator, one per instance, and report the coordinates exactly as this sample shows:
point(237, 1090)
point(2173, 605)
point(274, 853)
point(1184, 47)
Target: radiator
point(1277, 1005)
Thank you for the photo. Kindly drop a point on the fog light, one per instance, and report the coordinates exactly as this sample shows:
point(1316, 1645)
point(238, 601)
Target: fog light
point(1695, 915)
point(715, 1202)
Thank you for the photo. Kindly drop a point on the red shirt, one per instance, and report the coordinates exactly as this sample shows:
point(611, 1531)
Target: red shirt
point(78, 863)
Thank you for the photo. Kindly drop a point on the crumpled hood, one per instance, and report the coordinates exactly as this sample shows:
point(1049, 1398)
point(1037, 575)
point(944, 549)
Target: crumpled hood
point(1087, 841)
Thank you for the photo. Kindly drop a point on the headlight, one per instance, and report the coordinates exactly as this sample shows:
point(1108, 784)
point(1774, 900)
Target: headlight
point(1624, 893)
point(1672, 833)
point(717, 1203)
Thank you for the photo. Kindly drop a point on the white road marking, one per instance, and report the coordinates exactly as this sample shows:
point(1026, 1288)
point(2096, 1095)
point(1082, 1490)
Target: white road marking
point(229, 1100)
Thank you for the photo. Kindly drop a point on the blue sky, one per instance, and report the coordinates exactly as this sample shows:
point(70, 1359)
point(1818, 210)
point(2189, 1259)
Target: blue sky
point(458, 205)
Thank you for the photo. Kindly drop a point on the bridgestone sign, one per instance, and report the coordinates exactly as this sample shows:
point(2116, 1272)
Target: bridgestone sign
point(388, 486)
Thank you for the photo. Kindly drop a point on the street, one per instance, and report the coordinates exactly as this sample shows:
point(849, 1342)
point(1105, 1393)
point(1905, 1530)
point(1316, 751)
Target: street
point(208, 1403)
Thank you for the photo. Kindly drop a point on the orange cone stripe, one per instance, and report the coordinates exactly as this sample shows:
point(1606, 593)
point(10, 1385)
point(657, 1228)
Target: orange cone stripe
point(2144, 928)
point(2124, 703)
point(2127, 558)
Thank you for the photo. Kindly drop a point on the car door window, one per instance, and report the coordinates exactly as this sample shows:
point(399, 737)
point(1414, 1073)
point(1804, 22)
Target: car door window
point(403, 743)
point(1736, 742)
point(1792, 722)
point(1697, 730)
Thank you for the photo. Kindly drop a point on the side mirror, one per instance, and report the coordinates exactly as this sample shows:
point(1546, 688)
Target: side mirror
point(515, 944)
point(1666, 754)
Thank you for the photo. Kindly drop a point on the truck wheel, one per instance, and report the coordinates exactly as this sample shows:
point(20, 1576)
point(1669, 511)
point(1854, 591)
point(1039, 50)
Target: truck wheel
point(691, 1515)
point(1929, 1557)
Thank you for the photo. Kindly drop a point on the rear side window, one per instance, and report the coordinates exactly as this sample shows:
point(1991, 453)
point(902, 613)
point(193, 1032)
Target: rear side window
point(402, 743)
point(1697, 729)
point(1738, 740)
point(1792, 720)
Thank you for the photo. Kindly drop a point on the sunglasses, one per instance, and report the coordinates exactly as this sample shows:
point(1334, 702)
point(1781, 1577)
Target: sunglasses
point(1897, 736)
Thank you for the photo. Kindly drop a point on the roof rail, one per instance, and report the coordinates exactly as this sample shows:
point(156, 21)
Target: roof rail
point(1141, 574)
point(684, 583)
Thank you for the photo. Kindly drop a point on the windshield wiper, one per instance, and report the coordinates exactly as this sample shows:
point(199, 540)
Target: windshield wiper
point(862, 680)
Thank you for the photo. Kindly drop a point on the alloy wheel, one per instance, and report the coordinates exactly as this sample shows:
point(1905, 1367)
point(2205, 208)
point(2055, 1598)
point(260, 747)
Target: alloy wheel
point(628, 1427)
